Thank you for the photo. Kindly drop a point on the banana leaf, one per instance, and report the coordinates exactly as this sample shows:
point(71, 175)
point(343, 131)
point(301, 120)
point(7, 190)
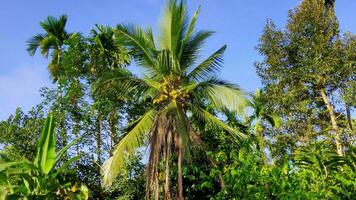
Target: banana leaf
point(46, 147)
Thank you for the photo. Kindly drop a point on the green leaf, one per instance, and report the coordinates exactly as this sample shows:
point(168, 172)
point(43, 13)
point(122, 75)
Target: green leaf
point(46, 147)
point(15, 164)
point(61, 152)
point(3, 193)
point(190, 30)
point(65, 165)
point(139, 42)
point(208, 67)
point(128, 144)
point(207, 117)
point(222, 94)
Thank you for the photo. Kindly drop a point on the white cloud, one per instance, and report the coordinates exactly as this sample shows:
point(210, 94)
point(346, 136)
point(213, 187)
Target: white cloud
point(19, 87)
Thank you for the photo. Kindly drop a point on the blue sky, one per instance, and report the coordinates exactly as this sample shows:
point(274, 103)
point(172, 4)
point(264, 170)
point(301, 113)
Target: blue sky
point(238, 23)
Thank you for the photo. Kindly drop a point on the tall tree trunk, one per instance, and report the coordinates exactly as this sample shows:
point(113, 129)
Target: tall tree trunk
point(262, 147)
point(76, 134)
point(348, 115)
point(339, 146)
point(167, 155)
point(98, 137)
point(156, 186)
point(113, 121)
point(63, 132)
point(259, 129)
point(180, 169)
point(62, 113)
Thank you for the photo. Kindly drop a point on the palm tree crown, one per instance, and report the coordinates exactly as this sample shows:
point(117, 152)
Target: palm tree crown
point(113, 55)
point(177, 89)
point(53, 39)
point(259, 117)
point(259, 110)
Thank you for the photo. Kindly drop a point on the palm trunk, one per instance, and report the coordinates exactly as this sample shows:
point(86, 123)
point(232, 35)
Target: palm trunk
point(261, 145)
point(339, 146)
point(167, 156)
point(156, 190)
point(63, 136)
point(76, 134)
point(63, 119)
point(259, 130)
point(98, 137)
point(113, 121)
point(180, 170)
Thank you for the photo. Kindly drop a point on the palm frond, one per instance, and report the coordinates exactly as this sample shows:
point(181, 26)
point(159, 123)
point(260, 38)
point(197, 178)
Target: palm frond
point(128, 144)
point(139, 42)
point(217, 123)
point(167, 64)
point(190, 31)
point(48, 43)
point(34, 43)
point(193, 47)
point(104, 37)
point(54, 37)
point(222, 94)
point(173, 27)
point(165, 24)
point(123, 82)
point(209, 66)
point(152, 83)
point(55, 26)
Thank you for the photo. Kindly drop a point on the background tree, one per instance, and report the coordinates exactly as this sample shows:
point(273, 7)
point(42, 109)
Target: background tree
point(51, 42)
point(259, 118)
point(301, 70)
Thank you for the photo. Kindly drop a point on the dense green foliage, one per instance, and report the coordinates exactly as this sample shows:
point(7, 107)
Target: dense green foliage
point(22, 179)
point(177, 131)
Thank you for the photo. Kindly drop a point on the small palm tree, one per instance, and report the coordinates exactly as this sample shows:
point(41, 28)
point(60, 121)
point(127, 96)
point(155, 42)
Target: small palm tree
point(106, 55)
point(177, 89)
point(258, 119)
point(113, 55)
point(52, 40)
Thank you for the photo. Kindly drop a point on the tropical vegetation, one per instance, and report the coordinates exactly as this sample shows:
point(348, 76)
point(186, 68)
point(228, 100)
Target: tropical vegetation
point(176, 129)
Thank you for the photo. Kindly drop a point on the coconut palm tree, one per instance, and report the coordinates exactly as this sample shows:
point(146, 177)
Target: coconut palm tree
point(259, 118)
point(52, 40)
point(176, 88)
